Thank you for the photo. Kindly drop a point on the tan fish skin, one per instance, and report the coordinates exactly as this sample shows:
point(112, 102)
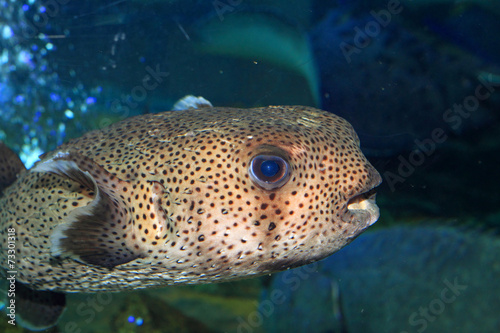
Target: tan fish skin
point(170, 198)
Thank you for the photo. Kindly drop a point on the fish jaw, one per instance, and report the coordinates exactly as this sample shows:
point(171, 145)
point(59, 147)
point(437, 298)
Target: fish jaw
point(364, 209)
point(361, 207)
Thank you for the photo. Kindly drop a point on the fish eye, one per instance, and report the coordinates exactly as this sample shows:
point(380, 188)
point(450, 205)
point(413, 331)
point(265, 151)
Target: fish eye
point(269, 171)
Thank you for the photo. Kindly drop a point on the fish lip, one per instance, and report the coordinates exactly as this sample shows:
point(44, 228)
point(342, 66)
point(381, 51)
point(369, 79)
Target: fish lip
point(363, 208)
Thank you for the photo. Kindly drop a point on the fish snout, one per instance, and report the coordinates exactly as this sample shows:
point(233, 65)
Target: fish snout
point(361, 206)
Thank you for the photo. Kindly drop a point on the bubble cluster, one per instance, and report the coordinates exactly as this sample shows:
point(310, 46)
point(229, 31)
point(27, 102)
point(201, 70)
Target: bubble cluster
point(37, 108)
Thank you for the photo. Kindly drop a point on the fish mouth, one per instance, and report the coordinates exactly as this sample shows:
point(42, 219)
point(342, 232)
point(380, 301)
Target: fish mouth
point(363, 208)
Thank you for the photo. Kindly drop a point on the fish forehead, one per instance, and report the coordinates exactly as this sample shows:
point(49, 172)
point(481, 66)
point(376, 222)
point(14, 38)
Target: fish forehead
point(294, 128)
point(167, 126)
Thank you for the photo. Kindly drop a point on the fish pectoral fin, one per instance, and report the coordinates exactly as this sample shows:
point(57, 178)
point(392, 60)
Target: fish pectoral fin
point(38, 310)
point(95, 234)
point(10, 166)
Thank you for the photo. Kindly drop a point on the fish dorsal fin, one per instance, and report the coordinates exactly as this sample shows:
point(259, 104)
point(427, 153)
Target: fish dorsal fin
point(191, 102)
point(10, 166)
point(96, 233)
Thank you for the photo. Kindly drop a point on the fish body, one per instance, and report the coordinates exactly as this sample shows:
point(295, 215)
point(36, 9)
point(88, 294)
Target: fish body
point(180, 203)
point(185, 197)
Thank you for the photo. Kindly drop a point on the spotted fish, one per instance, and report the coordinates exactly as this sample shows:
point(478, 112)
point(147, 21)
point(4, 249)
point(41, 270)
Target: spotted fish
point(185, 197)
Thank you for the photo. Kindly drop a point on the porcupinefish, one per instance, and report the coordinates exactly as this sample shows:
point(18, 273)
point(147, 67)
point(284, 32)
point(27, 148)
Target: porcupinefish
point(182, 197)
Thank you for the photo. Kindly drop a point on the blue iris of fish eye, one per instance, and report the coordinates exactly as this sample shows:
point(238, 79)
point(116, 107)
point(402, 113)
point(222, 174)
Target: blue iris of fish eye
point(269, 171)
point(269, 168)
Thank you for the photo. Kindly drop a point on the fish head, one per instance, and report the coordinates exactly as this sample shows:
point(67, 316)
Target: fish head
point(273, 188)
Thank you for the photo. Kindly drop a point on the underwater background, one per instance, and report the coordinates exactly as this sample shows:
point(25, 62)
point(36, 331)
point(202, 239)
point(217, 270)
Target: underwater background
point(418, 79)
